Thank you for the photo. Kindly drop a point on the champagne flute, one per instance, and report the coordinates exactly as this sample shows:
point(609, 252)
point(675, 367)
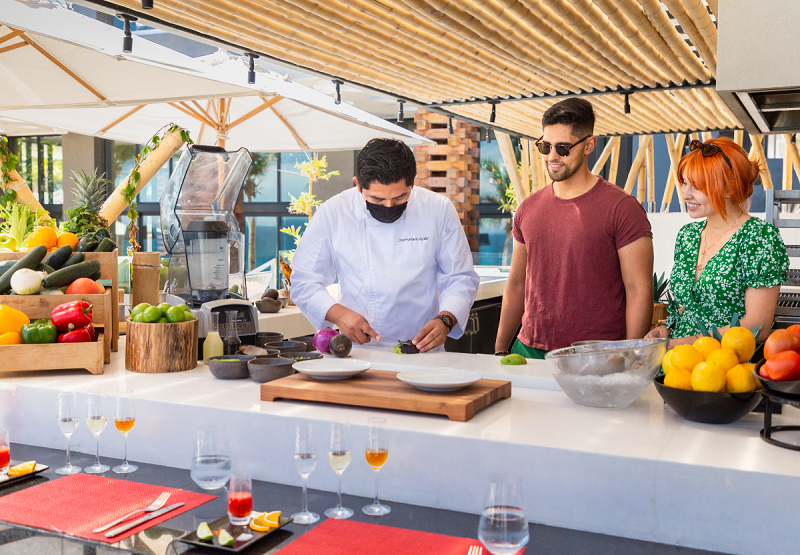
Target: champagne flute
point(96, 421)
point(305, 461)
point(211, 464)
point(5, 452)
point(377, 453)
point(339, 459)
point(67, 423)
point(124, 420)
point(503, 528)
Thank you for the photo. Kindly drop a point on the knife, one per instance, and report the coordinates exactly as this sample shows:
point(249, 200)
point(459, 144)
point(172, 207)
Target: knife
point(135, 523)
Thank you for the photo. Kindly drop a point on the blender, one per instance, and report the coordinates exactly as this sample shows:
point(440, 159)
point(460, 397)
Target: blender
point(202, 236)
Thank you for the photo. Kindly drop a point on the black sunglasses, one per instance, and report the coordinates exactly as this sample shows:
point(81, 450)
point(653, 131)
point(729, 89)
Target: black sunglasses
point(562, 149)
point(708, 150)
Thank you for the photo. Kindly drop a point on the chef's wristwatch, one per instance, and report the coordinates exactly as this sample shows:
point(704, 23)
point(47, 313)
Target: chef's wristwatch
point(447, 321)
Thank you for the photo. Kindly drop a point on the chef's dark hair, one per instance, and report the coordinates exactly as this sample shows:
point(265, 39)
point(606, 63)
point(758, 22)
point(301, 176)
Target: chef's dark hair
point(385, 161)
point(578, 113)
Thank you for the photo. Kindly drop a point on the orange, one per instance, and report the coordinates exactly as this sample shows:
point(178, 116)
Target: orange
point(708, 376)
point(724, 358)
point(740, 379)
point(67, 238)
point(741, 341)
point(686, 357)
point(706, 345)
point(666, 362)
point(679, 378)
point(42, 236)
point(11, 338)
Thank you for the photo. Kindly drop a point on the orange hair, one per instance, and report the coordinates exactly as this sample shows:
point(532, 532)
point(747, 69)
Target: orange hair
point(712, 176)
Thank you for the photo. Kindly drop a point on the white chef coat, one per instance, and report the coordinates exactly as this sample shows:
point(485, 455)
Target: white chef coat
point(398, 276)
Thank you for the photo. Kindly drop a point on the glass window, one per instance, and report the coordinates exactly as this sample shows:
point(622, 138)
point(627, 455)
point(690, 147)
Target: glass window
point(261, 184)
point(261, 240)
point(287, 241)
point(151, 234)
point(41, 166)
point(493, 174)
point(495, 242)
point(292, 181)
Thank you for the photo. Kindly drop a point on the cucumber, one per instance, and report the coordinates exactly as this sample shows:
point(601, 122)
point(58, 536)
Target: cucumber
point(57, 259)
point(30, 261)
point(74, 259)
point(45, 268)
point(87, 244)
point(6, 265)
point(106, 245)
point(67, 275)
point(95, 276)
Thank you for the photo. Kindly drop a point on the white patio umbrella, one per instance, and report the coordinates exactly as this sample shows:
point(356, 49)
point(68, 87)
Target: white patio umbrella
point(66, 71)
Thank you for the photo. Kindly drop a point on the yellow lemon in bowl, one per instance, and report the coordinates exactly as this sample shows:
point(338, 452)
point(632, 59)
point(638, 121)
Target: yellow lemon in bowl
point(679, 379)
point(708, 376)
point(706, 345)
point(741, 341)
point(724, 358)
point(686, 357)
point(740, 379)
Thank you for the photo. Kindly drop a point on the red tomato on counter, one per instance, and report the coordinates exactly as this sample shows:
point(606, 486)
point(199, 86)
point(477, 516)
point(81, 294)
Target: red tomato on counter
point(780, 341)
point(783, 366)
point(795, 329)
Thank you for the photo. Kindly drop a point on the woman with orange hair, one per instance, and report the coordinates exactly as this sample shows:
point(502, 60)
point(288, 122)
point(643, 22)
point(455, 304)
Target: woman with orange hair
point(730, 262)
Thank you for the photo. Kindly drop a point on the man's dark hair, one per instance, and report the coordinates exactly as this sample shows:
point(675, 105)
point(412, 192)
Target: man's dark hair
point(385, 161)
point(575, 112)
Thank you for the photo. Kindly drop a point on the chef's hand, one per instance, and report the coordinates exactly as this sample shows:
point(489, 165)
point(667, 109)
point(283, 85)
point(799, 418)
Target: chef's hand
point(431, 336)
point(659, 332)
point(352, 324)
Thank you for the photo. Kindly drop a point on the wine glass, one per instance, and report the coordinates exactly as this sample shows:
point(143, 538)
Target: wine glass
point(5, 452)
point(377, 453)
point(240, 498)
point(124, 420)
point(96, 421)
point(305, 461)
point(339, 459)
point(503, 528)
point(67, 423)
point(211, 464)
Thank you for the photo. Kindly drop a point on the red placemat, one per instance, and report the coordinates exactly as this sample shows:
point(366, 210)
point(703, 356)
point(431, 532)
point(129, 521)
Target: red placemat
point(345, 537)
point(75, 505)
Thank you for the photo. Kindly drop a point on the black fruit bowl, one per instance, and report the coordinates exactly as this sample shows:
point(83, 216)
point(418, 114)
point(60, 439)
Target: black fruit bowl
point(707, 407)
point(791, 387)
point(297, 357)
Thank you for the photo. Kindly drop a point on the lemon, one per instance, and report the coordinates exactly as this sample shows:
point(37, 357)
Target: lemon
point(22, 469)
point(708, 376)
point(226, 539)
point(204, 533)
point(724, 358)
point(679, 379)
point(741, 341)
point(666, 362)
point(256, 527)
point(740, 379)
point(266, 521)
point(706, 345)
point(686, 357)
point(513, 359)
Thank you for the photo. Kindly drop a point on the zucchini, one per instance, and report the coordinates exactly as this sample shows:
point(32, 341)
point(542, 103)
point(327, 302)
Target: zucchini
point(87, 244)
point(95, 276)
point(45, 268)
point(67, 275)
point(30, 261)
point(57, 259)
point(74, 259)
point(106, 245)
point(6, 265)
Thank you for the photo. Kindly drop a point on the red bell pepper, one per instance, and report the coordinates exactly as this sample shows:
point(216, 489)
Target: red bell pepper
point(77, 313)
point(77, 335)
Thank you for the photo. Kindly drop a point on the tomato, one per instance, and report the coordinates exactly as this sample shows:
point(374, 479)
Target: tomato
point(783, 366)
point(795, 329)
point(779, 341)
point(763, 373)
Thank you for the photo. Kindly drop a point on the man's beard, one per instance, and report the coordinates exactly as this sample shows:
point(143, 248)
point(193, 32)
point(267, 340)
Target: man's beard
point(562, 175)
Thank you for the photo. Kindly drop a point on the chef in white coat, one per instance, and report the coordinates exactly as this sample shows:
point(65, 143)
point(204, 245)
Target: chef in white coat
point(404, 266)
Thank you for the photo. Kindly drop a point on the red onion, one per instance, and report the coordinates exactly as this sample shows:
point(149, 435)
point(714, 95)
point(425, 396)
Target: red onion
point(323, 338)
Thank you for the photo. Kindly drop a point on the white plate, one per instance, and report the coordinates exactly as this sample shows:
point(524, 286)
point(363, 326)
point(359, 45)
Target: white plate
point(332, 368)
point(445, 379)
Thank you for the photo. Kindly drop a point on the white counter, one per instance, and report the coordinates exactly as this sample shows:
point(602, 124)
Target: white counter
point(640, 472)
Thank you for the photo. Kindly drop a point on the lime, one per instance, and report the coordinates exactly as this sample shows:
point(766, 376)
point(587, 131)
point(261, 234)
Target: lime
point(138, 318)
point(184, 308)
point(204, 533)
point(188, 317)
point(225, 538)
point(164, 307)
point(151, 315)
point(139, 308)
point(513, 358)
point(175, 314)
point(162, 320)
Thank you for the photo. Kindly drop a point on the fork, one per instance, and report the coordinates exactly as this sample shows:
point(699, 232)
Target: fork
point(475, 550)
point(154, 506)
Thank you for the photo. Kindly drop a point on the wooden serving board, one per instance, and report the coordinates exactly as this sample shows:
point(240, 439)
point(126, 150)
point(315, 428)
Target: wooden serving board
point(382, 390)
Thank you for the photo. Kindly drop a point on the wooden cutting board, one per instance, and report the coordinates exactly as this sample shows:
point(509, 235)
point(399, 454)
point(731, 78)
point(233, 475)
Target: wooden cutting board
point(382, 390)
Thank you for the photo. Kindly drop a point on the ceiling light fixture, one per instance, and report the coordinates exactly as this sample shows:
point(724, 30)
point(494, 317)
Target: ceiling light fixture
point(147, 4)
point(251, 71)
point(400, 112)
point(450, 125)
point(127, 39)
point(337, 98)
point(627, 106)
point(493, 115)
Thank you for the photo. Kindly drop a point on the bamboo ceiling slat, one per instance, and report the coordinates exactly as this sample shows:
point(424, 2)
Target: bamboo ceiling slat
point(678, 11)
point(713, 5)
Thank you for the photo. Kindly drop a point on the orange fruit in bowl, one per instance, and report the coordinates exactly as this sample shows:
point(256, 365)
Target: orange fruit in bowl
point(708, 376)
point(741, 341)
point(724, 358)
point(686, 357)
point(740, 379)
point(46, 236)
point(67, 238)
point(679, 378)
point(706, 345)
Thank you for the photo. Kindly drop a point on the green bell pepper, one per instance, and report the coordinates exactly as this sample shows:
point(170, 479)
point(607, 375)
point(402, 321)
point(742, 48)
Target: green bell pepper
point(39, 331)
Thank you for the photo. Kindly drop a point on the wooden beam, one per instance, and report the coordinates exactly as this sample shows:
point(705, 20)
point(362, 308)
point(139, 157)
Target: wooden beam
point(251, 113)
point(526, 166)
point(11, 35)
point(651, 176)
point(536, 167)
point(122, 118)
point(787, 164)
point(189, 111)
point(637, 162)
point(614, 167)
point(738, 137)
point(674, 148)
point(757, 154)
point(601, 161)
point(510, 161)
point(291, 129)
point(793, 156)
point(642, 181)
point(707, 136)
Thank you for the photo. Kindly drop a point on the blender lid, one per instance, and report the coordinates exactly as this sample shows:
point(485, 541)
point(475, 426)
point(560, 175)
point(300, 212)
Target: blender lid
point(206, 226)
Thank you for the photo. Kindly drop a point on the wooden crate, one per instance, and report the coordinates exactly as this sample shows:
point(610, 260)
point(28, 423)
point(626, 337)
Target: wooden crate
point(54, 356)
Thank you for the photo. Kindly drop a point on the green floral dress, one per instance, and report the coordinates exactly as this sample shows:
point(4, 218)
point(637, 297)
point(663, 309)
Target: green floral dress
point(754, 256)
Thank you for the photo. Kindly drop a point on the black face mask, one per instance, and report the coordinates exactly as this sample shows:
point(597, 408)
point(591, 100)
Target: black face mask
point(386, 214)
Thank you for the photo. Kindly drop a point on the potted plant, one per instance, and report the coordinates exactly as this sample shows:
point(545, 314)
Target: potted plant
point(660, 284)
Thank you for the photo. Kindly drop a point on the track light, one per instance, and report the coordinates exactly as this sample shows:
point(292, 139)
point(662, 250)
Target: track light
point(251, 71)
point(400, 112)
point(450, 125)
point(627, 105)
point(337, 99)
point(127, 39)
point(519, 143)
point(493, 115)
point(147, 4)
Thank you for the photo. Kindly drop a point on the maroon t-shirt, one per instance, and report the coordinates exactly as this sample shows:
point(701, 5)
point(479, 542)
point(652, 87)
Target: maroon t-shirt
point(573, 284)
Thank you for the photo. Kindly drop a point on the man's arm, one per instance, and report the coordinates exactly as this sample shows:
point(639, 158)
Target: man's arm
point(513, 298)
point(636, 264)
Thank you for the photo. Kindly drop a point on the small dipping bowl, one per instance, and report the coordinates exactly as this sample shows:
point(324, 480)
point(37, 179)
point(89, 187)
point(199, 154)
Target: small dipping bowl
point(265, 370)
point(297, 357)
point(229, 370)
point(288, 346)
point(268, 306)
point(271, 353)
point(308, 340)
point(265, 337)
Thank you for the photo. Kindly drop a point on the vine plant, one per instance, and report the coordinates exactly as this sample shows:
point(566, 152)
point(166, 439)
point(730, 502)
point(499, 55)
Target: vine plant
point(129, 192)
point(9, 161)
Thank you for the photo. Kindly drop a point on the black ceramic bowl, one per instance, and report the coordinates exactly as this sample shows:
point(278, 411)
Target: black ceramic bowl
point(265, 370)
point(265, 337)
point(288, 346)
point(268, 306)
point(297, 357)
point(229, 370)
point(308, 340)
point(791, 387)
point(707, 407)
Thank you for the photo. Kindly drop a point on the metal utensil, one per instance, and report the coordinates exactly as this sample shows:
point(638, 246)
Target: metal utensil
point(154, 506)
point(135, 523)
point(475, 550)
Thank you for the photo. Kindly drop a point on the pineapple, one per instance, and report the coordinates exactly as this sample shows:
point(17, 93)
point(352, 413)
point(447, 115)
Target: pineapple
point(90, 190)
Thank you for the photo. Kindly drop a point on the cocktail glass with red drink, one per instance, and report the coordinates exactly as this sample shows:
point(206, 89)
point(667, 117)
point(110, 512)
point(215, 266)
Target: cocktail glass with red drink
point(5, 452)
point(240, 498)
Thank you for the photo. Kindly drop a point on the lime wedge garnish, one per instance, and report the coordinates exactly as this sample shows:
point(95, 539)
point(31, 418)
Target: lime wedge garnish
point(204, 533)
point(226, 539)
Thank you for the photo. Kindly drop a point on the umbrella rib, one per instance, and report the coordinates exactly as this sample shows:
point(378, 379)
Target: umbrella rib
point(290, 128)
point(251, 113)
point(123, 118)
point(189, 112)
point(202, 110)
point(11, 47)
point(11, 35)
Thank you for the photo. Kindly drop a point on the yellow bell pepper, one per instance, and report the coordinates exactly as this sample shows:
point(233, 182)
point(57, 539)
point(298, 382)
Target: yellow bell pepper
point(10, 338)
point(12, 320)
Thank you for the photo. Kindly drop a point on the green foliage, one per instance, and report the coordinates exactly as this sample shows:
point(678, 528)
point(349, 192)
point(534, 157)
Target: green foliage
point(84, 219)
point(9, 161)
point(20, 219)
point(660, 284)
point(314, 169)
point(296, 232)
point(735, 321)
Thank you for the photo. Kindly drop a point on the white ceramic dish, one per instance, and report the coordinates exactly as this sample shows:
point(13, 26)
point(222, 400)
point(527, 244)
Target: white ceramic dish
point(332, 368)
point(440, 379)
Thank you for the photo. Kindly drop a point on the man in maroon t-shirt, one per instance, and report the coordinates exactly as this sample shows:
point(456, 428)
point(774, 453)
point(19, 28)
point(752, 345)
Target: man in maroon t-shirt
point(582, 266)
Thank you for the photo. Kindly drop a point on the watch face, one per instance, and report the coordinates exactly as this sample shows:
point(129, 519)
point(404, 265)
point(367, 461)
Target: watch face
point(447, 321)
